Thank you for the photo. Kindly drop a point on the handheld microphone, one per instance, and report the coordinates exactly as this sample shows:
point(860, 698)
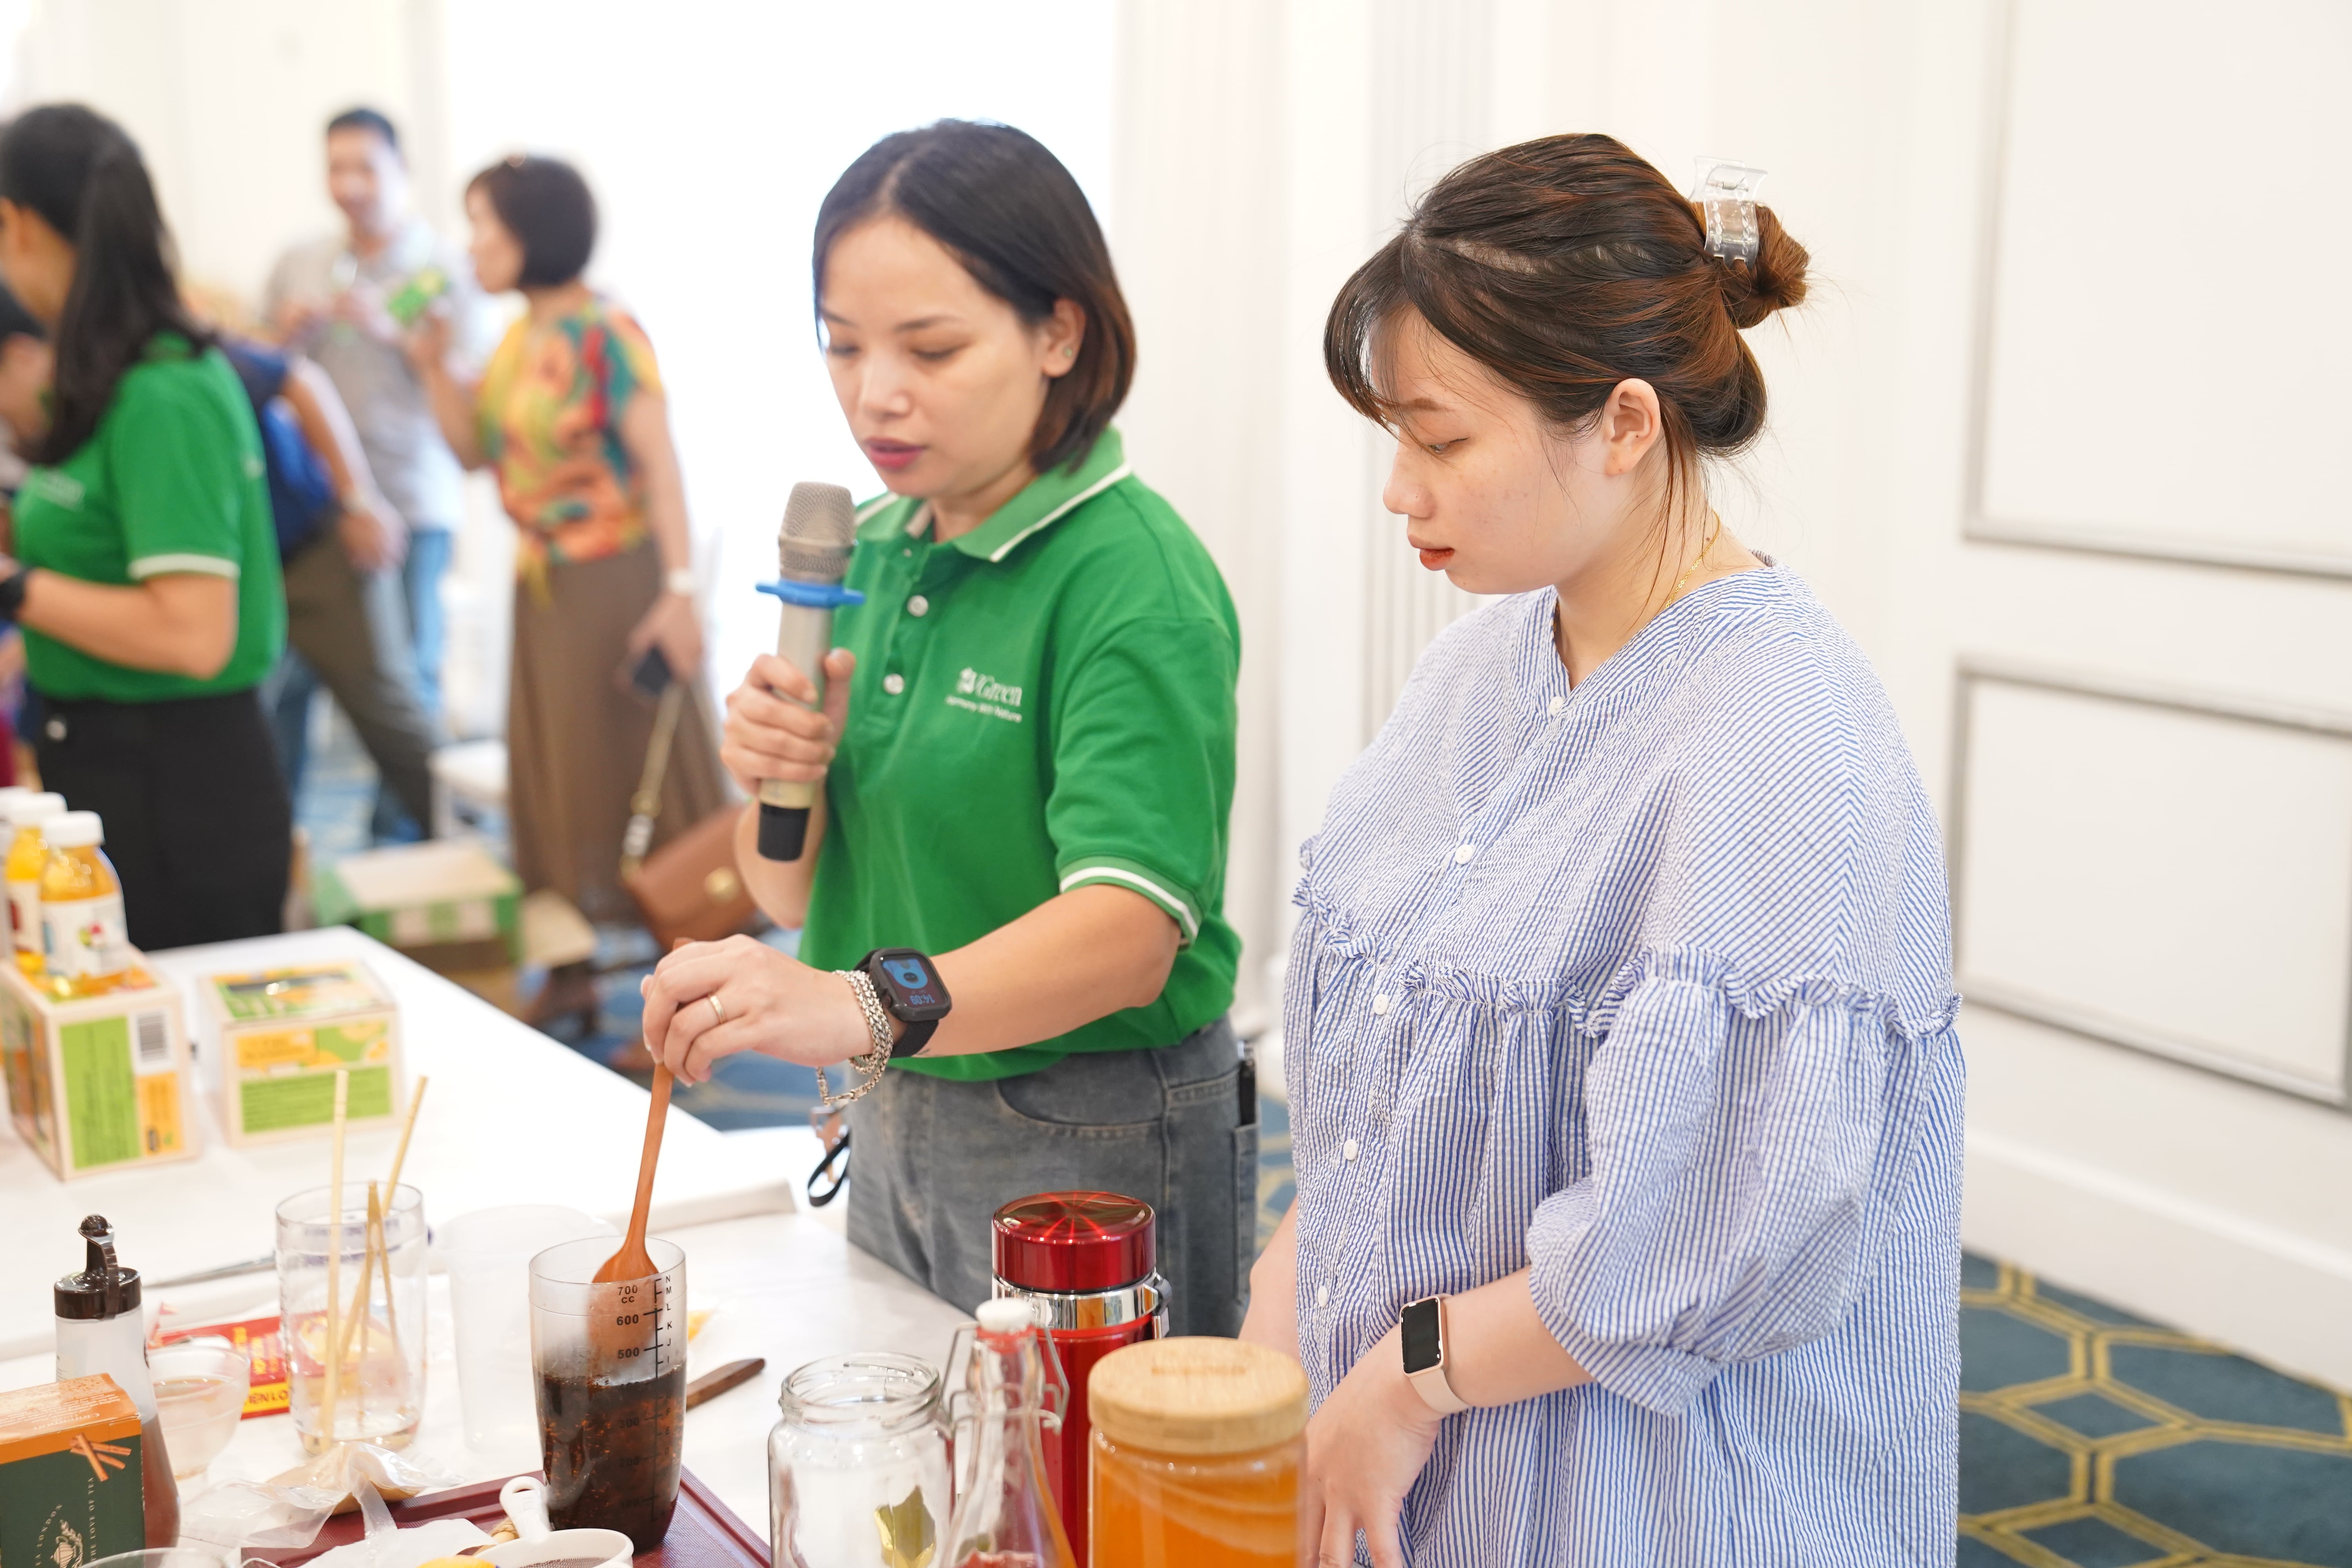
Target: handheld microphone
point(812, 557)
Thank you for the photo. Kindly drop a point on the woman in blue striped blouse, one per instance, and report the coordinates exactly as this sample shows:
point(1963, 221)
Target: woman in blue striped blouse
point(1620, 1013)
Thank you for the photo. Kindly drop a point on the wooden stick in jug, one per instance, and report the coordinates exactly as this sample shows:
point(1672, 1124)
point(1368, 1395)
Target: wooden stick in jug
point(632, 1261)
point(332, 1343)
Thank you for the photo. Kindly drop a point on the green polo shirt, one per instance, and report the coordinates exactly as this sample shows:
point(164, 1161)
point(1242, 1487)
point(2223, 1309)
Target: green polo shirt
point(1042, 703)
point(171, 481)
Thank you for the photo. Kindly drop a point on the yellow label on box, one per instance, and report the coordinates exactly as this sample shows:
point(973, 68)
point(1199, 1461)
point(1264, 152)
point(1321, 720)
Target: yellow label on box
point(355, 1044)
point(159, 1112)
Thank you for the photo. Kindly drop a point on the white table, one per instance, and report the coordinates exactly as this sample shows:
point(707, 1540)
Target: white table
point(511, 1117)
point(785, 1287)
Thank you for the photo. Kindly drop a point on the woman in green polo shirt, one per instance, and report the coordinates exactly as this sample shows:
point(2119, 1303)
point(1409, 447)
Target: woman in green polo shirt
point(146, 565)
point(1030, 730)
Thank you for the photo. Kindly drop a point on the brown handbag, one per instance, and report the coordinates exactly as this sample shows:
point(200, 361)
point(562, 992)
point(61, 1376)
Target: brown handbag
point(688, 889)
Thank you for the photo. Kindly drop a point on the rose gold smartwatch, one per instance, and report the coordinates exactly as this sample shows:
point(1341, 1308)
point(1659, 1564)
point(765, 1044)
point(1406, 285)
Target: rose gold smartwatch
point(1423, 1331)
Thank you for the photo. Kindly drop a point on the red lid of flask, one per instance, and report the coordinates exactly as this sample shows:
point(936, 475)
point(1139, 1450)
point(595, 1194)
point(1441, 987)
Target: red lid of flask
point(1072, 1242)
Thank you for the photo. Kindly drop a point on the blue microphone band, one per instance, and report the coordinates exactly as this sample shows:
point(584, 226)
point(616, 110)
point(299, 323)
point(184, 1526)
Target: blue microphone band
point(813, 596)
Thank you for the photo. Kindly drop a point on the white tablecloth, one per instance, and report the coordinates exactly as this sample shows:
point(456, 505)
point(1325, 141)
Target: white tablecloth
point(510, 1117)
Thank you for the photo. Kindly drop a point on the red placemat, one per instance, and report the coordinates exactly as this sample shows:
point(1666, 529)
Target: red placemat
point(703, 1533)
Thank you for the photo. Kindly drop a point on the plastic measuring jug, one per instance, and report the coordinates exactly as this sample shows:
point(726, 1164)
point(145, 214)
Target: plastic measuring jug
point(610, 1361)
point(487, 1254)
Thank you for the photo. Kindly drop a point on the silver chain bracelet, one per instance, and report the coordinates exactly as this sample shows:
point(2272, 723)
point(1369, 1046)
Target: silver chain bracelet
point(874, 1063)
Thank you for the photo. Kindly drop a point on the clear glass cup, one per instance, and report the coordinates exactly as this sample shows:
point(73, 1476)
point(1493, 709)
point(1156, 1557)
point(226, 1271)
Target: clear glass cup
point(488, 1254)
point(862, 1451)
point(611, 1364)
point(378, 1378)
point(200, 1389)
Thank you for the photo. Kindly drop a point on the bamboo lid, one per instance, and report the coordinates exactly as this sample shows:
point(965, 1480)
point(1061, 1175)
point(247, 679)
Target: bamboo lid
point(1198, 1395)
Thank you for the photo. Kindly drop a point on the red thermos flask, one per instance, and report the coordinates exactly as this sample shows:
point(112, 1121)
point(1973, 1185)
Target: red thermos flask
point(1084, 1262)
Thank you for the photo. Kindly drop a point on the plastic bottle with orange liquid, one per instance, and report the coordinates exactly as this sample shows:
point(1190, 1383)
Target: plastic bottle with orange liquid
point(27, 857)
point(85, 940)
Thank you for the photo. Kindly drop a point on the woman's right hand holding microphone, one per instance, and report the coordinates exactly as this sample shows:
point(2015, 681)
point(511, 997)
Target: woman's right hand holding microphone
point(771, 733)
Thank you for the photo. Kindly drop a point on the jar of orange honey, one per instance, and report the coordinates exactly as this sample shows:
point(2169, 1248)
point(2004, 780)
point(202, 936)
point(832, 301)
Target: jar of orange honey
point(1197, 1447)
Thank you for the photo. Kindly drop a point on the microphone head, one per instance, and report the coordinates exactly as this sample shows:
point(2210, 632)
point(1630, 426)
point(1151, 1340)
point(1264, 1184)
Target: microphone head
point(820, 527)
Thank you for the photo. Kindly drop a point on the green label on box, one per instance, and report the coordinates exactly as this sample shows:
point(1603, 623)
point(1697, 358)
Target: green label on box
point(55, 1508)
point(101, 1091)
point(307, 1099)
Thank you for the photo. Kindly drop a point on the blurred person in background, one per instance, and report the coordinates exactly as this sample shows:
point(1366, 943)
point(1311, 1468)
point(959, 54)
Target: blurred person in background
point(24, 417)
point(146, 574)
point(345, 301)
point(341, 628)
point(570, 413)
point(1027, 749)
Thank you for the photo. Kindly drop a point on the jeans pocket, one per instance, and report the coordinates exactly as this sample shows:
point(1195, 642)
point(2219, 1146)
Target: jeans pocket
point(1245, 1214)
point(1089, 1095)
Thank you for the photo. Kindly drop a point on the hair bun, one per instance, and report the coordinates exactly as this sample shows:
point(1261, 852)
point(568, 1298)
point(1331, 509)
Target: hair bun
point(1775, 280)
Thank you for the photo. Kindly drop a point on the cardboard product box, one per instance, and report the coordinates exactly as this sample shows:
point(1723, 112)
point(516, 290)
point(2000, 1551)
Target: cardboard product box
point(99, 1083)
point(448, 904)
point(285, 1033)
point(71, 1488)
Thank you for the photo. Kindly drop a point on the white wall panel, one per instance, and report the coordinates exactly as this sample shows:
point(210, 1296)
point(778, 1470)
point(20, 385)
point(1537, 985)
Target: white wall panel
point(2174, 879)
point(2165, 366)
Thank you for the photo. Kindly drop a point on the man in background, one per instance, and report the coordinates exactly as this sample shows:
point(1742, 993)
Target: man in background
point(343, 303)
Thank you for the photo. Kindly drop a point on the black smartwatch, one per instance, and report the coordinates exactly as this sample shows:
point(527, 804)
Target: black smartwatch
point(908, 986)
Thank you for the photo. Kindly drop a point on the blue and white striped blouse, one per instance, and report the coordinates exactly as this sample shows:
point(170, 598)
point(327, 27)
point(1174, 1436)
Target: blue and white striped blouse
point(1645, 984)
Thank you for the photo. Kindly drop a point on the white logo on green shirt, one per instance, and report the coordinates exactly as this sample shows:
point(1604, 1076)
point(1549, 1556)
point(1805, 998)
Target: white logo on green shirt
point(985, 694)
point(54, 485)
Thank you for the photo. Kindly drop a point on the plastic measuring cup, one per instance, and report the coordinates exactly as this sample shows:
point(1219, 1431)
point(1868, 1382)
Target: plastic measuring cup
point(487, 1254)
point(611, 1364)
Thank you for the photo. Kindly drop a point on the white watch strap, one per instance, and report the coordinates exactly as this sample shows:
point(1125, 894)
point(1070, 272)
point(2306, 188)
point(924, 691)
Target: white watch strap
point(1430, 1382)
point(678, 580)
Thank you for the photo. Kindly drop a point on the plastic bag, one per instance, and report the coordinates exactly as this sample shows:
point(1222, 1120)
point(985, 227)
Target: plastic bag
point(287, 1511)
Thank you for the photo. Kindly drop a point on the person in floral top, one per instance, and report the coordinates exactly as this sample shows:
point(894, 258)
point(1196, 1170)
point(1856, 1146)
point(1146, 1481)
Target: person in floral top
point(570, 415)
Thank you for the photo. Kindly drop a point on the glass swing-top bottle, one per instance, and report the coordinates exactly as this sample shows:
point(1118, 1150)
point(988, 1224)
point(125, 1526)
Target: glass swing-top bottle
point(1005, 1515)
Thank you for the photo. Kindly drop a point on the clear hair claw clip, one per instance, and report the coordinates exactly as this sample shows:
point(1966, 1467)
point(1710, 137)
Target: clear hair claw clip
point(1726, 195)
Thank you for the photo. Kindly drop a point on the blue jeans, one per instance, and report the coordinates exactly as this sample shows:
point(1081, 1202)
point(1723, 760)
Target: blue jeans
point(420, 580)
point(931, 1159)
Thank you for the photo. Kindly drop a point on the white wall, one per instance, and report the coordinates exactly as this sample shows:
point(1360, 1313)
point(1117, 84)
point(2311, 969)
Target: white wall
point(2186, 1195)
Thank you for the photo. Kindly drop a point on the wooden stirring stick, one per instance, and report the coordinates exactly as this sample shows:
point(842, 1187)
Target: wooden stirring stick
point(633, 1262)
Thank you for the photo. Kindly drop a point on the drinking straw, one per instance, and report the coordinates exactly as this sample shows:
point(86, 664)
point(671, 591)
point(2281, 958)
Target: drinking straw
point(390, 1190)
point(335, 1253)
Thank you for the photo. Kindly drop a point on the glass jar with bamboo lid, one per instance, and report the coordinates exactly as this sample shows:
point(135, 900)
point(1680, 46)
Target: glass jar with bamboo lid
point(1197, 1447)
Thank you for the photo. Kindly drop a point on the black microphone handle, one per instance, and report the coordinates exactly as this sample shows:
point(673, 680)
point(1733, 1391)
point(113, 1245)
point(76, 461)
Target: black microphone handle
point(783, 831)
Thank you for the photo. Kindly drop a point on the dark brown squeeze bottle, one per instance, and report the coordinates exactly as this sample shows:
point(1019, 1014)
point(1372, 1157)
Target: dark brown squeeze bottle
point(99, 1331)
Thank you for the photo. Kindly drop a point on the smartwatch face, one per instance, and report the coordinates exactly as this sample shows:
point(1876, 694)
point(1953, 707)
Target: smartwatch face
point(915, 988)
point(1419, 1329)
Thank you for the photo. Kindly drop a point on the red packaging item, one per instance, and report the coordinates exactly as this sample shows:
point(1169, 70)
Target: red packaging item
point(257, 1337)
point(1083, 1261)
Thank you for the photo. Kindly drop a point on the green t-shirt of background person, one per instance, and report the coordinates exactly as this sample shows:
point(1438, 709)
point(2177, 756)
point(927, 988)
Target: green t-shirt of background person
point(171, 481)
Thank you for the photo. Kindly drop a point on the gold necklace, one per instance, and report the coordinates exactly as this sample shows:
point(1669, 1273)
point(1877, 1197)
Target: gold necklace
point(1713, 535)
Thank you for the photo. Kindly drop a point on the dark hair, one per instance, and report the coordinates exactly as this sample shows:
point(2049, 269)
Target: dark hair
point(1565, 266)
point(549, 210)
point(77, 170)
point(1007, 209)
point(16, 321)
point(362, 118)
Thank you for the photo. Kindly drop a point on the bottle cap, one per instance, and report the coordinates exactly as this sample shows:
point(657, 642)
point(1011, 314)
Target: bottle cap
point(1072, 1242)
point(1005, 1315)
point(1198, 1395)
point(104, 1288)
point(73, 831)
point(37, 807)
